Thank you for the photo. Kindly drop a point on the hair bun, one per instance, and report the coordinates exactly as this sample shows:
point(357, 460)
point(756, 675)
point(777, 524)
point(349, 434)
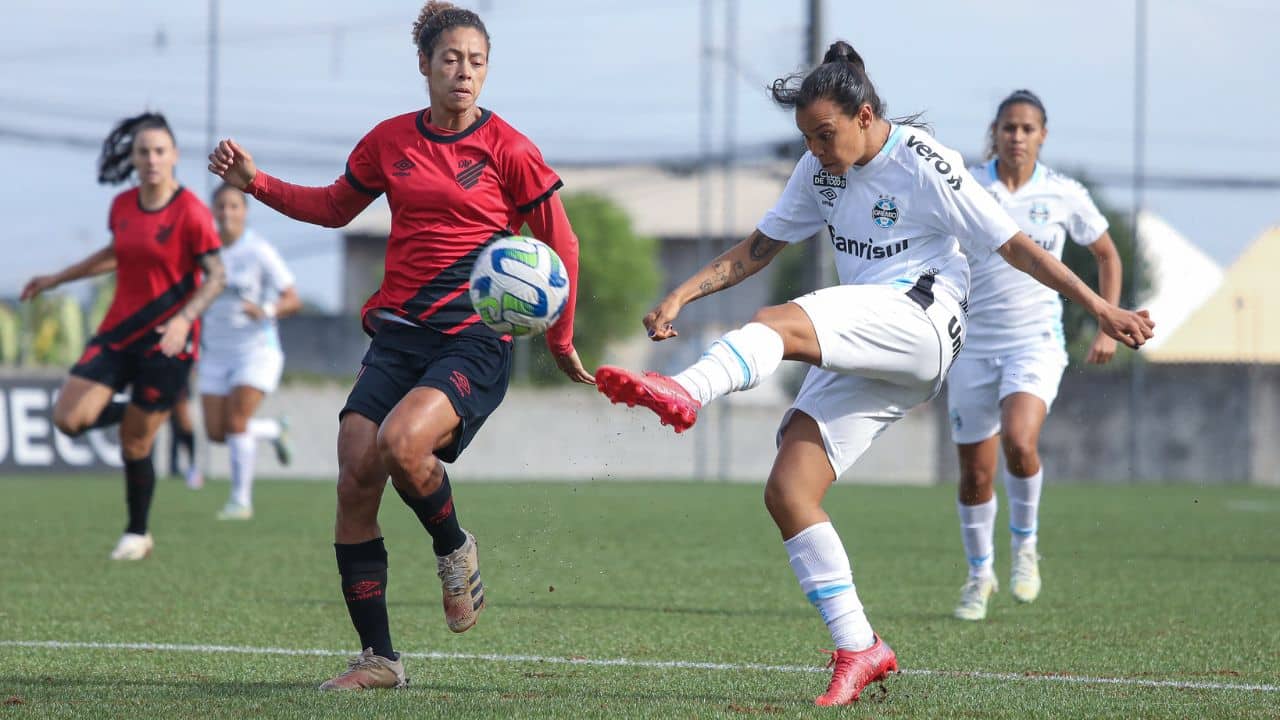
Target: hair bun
point(841, 51)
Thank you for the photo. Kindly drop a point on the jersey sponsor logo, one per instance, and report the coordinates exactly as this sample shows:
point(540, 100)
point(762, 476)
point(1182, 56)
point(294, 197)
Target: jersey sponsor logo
point(956, 332)
point(1039, 213)
point(163, 233)
point(931, 156)
point(866, 250)
point(822, 178)
point(470, 175)
point(884, 213)
point(402, 167)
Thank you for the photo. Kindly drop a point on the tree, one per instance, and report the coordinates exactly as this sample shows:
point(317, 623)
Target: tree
point(617, 281)
point(1077, 325)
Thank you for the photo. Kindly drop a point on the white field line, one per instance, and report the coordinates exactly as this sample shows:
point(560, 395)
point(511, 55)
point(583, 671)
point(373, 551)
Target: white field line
point(626, 662)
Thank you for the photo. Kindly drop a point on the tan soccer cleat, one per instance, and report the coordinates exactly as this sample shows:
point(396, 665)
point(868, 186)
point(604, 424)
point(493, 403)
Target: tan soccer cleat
point(367, 671)
point(459, 574)
point(133, 546)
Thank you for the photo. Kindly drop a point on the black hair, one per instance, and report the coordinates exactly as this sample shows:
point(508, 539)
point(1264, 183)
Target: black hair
point(841, 78)
point(228, 187)
point(436, 17)
point(1023, 97)
point(114, 164)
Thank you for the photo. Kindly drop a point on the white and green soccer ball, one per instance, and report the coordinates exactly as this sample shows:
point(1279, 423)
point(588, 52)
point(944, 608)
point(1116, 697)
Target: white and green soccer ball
point(519, 286)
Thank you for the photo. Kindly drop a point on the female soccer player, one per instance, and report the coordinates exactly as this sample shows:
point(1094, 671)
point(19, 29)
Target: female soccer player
point(241, 358)
point(898, 206)
point(1004, 382)
point(456, 176)
point(162, 243)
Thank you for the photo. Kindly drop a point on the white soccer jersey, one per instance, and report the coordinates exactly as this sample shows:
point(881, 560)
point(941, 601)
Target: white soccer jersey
point(900, 217)
point(256, 273)
point(1008, 309)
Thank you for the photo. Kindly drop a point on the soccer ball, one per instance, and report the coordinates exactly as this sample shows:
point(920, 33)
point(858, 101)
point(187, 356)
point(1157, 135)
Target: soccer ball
point(519, 286)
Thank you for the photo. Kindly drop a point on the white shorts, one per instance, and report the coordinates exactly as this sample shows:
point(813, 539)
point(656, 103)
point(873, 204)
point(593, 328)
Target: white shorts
point(976, 386)
point(219, 372)
point(882, 354)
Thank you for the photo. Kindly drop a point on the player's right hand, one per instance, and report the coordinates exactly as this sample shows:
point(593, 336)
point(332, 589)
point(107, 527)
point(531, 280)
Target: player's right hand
point(1131, 328)
point(233, 164)
point(659, 320)
point(37, 285)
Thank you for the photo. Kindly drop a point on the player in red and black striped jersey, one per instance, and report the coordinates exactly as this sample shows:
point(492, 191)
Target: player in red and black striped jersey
point(456, 176)
point(164, 251)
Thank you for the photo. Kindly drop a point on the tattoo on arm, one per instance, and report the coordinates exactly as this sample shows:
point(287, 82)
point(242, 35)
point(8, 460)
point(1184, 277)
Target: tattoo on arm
point(215, 279)
point(763, 246)
point(739, 270)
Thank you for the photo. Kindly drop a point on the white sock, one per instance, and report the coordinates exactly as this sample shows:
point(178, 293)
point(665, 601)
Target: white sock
point(739, 360)
point(243, 446)
point(1024, 507)
point(264, 428)
point(822, 567)
point(977, 529)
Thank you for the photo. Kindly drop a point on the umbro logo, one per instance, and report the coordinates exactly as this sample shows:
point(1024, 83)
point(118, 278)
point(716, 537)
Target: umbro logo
point(162, 235)
point(460, 382)
point(471, 172)
point(402, 166)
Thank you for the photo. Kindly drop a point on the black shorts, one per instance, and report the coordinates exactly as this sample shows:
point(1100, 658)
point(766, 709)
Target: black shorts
point(157, 379)
point(471, 371)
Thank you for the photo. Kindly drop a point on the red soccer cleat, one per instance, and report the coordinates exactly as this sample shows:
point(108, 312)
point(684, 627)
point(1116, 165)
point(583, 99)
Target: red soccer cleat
point(673, 405)
point(856, 669)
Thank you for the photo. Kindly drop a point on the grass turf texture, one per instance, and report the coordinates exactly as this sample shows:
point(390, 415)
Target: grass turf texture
point(1141, 583)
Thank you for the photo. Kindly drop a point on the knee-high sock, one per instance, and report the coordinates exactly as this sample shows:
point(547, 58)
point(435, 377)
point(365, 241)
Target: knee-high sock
point(438, 517)
point(1024, 507)
point(243, 448)
point(139, 487)
point(739, 360)
point(822, 567)
point(264, 428)
point(363, 567)
point(977, 530)
point(110, 415)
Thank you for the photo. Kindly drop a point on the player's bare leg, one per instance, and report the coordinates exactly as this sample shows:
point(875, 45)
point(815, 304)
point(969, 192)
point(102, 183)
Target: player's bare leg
point(800, 478)
point(1022, 417)
point(426, 418)
point(81, 402)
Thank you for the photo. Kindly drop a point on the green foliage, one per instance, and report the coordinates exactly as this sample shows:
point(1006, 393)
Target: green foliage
point(617, 281)
point(8, 335)
point(1077, 325)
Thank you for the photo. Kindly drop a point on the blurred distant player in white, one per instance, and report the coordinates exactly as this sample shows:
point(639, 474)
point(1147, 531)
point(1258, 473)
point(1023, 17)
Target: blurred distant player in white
point(1001, 387)
point(241, 359)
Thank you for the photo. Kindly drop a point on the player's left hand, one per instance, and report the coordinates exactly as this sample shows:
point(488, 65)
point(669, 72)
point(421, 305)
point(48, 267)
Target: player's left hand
point(1102, 350)
point(173, 334)
point(253, 310)
point(1129, 327)
point(571, 365)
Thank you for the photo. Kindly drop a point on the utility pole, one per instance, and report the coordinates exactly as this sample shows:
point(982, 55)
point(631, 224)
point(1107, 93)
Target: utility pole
point(211, 105)
point(706, 250)
point(730, 140)
point(820, 257)
point(1137, 374)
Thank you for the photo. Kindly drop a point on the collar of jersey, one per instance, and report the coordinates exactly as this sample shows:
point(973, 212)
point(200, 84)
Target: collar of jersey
point(452, 137)
point(881, 157)
point(1036, 175)
point(166, 204)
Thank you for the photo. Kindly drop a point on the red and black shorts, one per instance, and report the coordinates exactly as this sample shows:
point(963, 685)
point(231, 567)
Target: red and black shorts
point(156, 378)
point(471, 370)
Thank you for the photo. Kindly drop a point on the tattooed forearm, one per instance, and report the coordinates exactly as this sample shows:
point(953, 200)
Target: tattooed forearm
point(215, 279)
point(763, 247)
point(739, 270)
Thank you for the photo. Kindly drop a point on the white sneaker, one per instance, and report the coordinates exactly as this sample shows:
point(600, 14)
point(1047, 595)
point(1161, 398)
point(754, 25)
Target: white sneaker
point(1025, 576)
point(235, 511)
point(133, 546)
point(974, 596)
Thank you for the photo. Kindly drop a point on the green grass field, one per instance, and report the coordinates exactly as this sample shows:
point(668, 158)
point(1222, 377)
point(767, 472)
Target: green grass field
point(1158, 602)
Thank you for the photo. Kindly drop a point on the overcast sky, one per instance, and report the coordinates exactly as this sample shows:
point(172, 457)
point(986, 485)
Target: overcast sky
point(610, 79)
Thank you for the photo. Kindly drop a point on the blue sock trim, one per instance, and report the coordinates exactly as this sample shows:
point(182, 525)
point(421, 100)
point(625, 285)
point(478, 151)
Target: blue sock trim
point(746, 369)
point(1022, 532)
point(979, 561)
point(826, 591)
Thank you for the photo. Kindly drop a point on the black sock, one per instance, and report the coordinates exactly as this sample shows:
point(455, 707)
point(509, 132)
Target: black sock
point(139, 485)
point(363, 567)
point(186, 440)
point(437, 515)
point(110, 415)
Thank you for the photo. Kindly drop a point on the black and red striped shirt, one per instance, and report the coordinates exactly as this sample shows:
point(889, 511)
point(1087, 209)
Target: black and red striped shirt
point(157, 267)
point(450, 193)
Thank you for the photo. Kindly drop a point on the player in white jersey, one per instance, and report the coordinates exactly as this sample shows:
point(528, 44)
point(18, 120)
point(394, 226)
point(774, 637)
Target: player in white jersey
point(241, 360)
point(898, 207)
point(1001, 387)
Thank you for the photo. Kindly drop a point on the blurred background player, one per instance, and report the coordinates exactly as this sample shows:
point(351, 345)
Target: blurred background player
point(182, 438)
point(456, 176)
point(880, 342)
point(1001, 387)
point(241, 360)
point(164, 251)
